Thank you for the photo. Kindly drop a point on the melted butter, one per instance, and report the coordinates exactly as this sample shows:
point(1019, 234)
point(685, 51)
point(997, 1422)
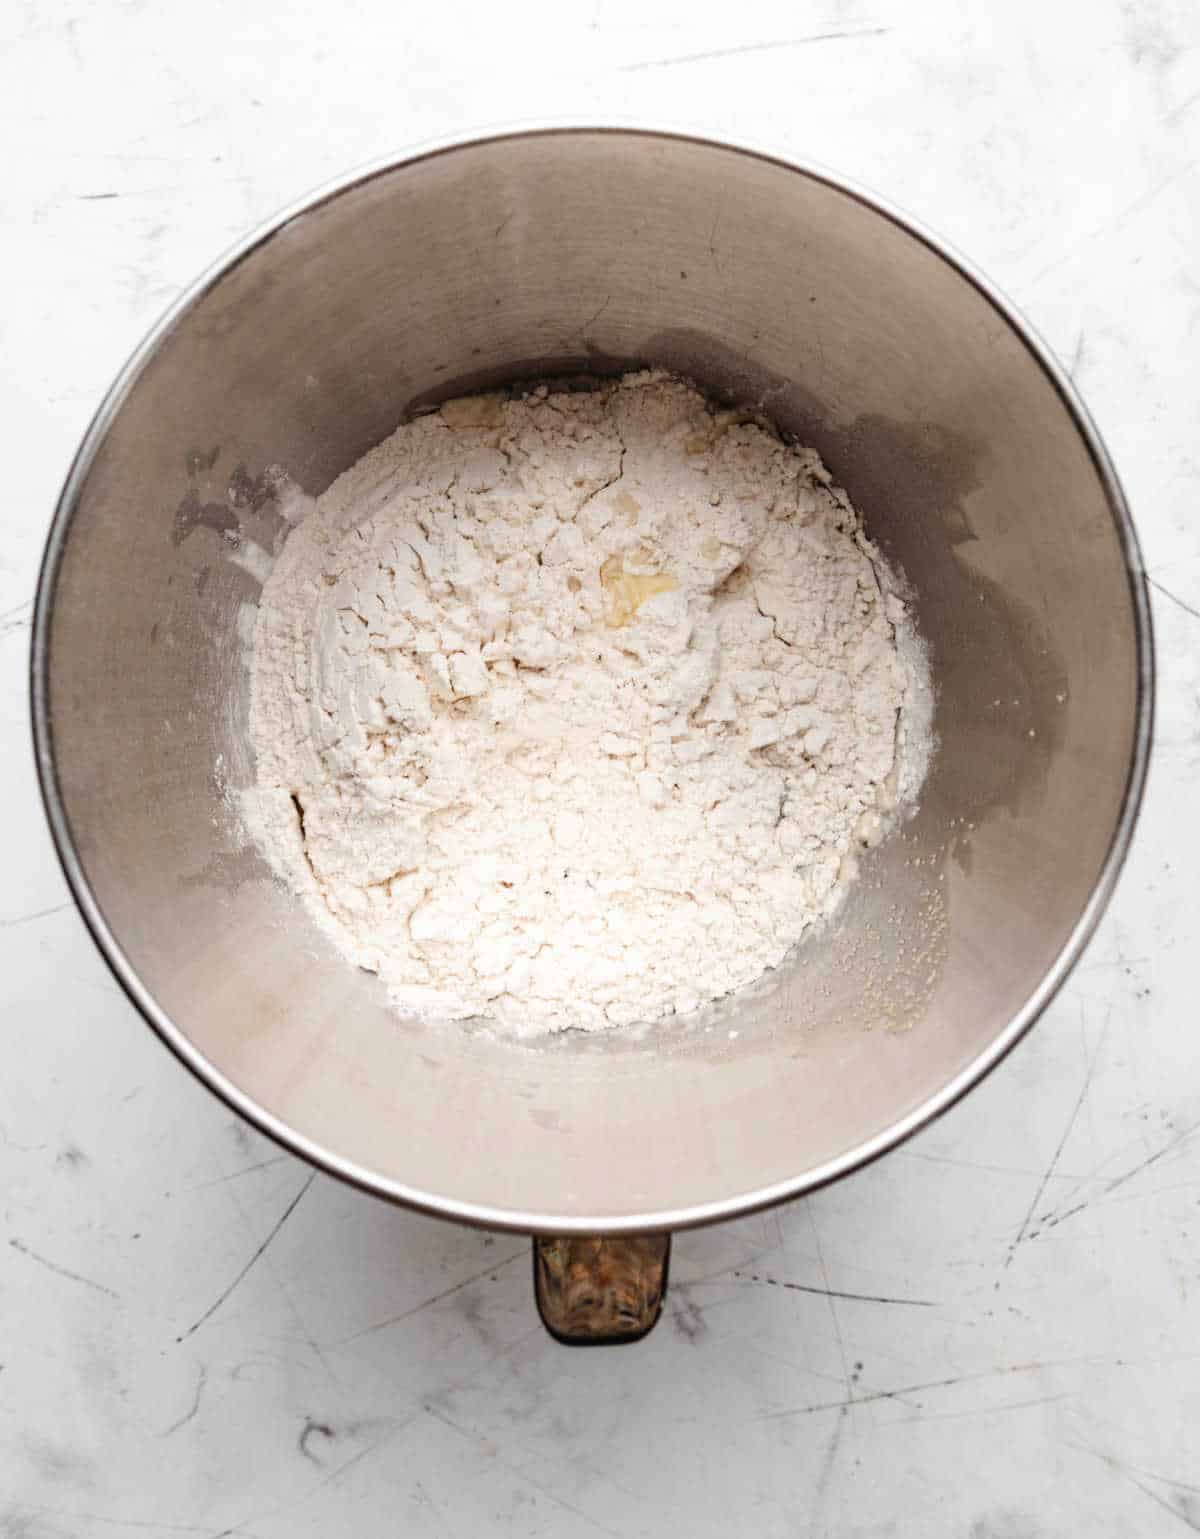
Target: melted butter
point(465, 412)
point(628, 505)
point(625, 592)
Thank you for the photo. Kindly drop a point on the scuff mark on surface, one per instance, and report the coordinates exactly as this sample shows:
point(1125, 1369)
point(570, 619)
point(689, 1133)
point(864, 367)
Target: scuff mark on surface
point(62, 1271)
point(768, 46)
point(1054, 1219)
point(687, 1316)
point(833, 1293)
point(246, 1170)
point(220, 1299)
point(41, 913)
point(1062, 1142)
point(16, 619)
point(314, 1429)
point(1175, 599)
point(189, 1415)
point(436, 1298)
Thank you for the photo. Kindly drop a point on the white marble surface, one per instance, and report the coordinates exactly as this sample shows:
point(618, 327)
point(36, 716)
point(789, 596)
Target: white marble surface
point(993, 1333)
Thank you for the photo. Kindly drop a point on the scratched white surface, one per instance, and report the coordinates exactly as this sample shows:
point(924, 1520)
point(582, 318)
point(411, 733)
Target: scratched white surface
point(995, 1332)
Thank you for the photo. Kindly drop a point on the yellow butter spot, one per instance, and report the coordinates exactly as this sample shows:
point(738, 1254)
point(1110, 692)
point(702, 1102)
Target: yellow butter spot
point(473, 411)
point(711, 548)
point(625, 592)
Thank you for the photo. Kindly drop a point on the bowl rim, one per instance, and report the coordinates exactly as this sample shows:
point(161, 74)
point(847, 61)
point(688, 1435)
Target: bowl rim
point(485, 1214)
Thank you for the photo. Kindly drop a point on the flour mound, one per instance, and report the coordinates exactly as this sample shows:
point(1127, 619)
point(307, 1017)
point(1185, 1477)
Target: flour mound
point(573, 710)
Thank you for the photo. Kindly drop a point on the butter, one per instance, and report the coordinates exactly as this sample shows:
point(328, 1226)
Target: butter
point(465, 412)
point(625, 592)
point(629, 506)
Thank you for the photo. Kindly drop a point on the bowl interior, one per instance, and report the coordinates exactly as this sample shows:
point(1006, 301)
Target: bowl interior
point(569, 252)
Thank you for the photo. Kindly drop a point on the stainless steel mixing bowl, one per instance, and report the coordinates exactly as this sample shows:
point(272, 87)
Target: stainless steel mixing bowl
point(576, 251)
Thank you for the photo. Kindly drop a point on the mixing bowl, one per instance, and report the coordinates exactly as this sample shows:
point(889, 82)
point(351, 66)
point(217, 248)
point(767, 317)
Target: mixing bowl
point(571, 252)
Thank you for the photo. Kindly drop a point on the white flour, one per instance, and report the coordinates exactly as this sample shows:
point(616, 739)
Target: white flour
point(572, 710)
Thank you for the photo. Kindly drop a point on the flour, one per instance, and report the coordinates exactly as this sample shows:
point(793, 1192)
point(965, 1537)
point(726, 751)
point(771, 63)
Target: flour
point(573, 710)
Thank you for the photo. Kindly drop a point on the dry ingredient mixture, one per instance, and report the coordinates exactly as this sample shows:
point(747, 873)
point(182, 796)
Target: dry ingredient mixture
point(572, 710)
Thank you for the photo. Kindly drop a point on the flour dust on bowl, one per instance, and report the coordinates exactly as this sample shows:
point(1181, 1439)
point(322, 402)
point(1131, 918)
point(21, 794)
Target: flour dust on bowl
point(580, 254)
